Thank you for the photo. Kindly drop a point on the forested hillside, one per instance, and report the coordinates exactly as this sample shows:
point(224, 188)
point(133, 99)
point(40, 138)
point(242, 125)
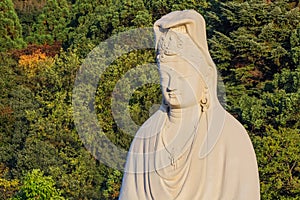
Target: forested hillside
point(255, 45)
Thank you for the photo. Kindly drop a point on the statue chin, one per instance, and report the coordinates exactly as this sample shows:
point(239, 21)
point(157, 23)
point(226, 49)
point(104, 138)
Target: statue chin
point(191, 148)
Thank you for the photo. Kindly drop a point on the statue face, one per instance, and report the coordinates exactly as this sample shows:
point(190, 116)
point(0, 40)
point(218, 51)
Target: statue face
point(181, 84)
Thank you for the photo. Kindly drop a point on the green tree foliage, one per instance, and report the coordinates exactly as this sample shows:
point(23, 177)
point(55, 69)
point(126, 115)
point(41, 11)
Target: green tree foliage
point(159, 8)
point(51, 24)
point(278, 158)
point(91, 22)
point(132, 14)
point(15, 100)
point(38, 186)
point(95, 21)
point(10, 28)
point(28, 12)
point(255, 40)
point(113, 185)
point(52, 143)
point(8, 187)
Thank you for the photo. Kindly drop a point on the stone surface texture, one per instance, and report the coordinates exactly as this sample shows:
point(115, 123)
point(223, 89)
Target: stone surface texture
point(191, 148)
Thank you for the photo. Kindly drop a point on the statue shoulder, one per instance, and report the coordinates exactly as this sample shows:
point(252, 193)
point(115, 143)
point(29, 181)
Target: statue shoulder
point(235, 133)
point(232, 123)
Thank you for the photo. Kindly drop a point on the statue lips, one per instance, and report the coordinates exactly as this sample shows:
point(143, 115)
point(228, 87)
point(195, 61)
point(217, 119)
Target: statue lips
point(172, 94)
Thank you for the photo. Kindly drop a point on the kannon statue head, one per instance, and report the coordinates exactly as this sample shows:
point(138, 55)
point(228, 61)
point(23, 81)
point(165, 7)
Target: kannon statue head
point(188, 74)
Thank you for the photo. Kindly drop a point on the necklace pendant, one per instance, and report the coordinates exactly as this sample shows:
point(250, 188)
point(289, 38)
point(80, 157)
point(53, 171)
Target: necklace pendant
point(172, 161)
point(172, 157)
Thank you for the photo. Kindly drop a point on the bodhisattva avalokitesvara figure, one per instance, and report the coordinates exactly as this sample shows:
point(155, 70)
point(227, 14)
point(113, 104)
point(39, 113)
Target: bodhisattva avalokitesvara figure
point(191, 148)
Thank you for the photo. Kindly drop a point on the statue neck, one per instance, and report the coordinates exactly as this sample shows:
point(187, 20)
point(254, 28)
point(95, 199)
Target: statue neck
point(179, 115)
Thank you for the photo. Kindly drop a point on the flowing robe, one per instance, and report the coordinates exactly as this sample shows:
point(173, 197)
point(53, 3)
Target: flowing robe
point(229, 171)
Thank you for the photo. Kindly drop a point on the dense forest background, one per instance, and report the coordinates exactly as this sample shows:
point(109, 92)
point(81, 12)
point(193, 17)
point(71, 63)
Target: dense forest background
point(255, 45)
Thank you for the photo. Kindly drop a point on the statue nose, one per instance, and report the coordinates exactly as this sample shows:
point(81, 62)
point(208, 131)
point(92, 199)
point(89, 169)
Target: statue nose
point(171, 85)
point(169, 90)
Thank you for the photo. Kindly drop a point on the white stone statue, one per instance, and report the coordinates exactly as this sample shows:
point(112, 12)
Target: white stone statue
point(191, 148)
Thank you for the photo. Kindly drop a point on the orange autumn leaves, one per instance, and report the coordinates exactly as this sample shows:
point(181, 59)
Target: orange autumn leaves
point(35, 62)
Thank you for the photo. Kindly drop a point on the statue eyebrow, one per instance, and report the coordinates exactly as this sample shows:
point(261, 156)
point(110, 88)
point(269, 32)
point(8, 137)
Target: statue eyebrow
point(181, 74)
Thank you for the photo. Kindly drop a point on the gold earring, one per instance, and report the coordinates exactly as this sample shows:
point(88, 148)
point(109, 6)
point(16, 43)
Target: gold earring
point(204, 100)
